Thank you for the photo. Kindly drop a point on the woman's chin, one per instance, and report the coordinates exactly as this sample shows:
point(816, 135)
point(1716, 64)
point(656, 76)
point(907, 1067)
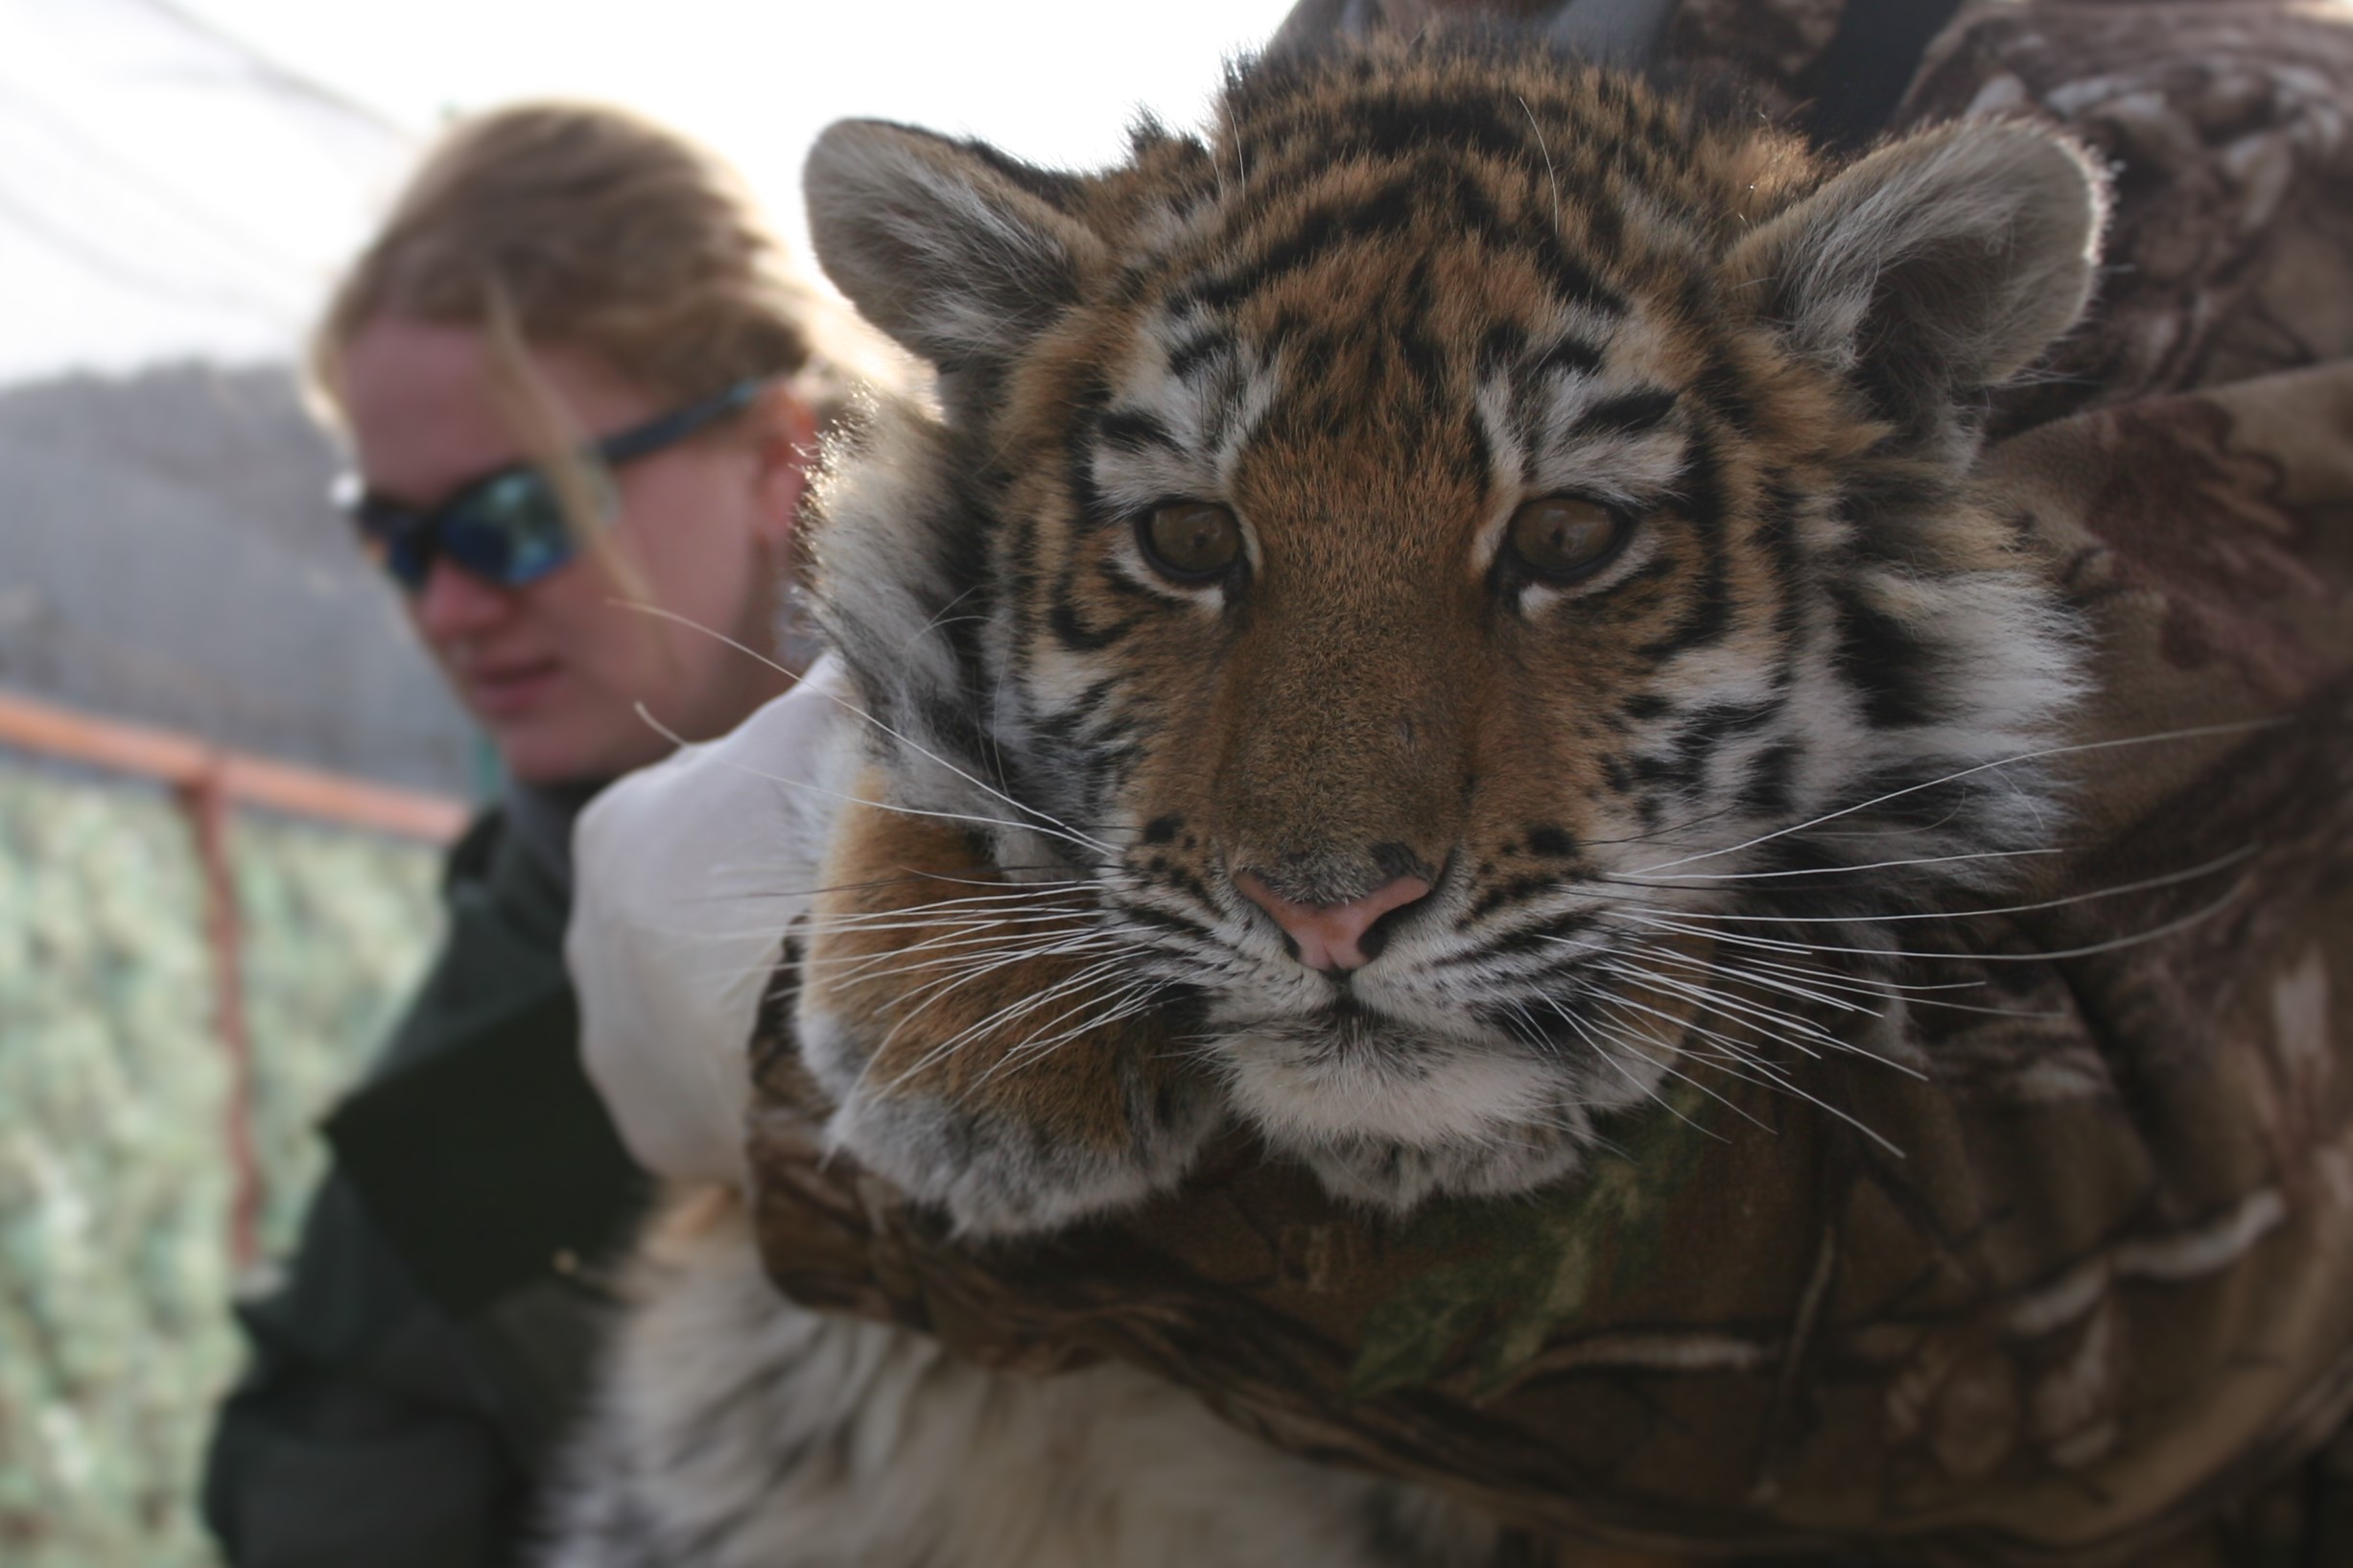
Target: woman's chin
point(544, 752)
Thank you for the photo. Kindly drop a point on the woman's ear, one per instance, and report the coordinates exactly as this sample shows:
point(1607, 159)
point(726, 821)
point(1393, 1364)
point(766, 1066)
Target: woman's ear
point(784, 446)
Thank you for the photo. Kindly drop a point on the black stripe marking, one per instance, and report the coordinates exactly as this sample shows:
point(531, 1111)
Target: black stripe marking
point(1166, 919)
point(1645, 705)
point(1710, 613)
point(1706, 732)
point(1720, 390)
point(1133, 430)
point(1885, 663)
point(1197, 351)
point(1770, 788)
point(1519, 890)
point(1077, 636)
point(1552, 840)
point(1568, 356)
point(1449, 200)
point(1628, 414)
point(1397, 124)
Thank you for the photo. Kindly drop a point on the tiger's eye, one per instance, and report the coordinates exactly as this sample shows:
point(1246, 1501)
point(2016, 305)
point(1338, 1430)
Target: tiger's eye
point(1191, 540)
point(1563, 538)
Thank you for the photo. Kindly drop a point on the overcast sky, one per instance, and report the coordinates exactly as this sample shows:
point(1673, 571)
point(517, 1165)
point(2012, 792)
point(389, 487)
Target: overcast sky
point(163, 192)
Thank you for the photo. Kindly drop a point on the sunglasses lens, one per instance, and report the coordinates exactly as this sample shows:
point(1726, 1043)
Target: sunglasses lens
point(389, 538)
point(512, 531)
point(405, 561)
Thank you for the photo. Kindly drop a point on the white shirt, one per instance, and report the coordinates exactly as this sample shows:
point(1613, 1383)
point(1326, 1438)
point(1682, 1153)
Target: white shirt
point(686, 877)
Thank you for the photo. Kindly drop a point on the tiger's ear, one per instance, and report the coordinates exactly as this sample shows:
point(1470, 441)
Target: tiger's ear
point(954, 251)
point(1935, 266)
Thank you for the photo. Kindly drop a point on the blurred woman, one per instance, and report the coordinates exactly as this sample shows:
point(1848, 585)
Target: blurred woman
point(575, 384)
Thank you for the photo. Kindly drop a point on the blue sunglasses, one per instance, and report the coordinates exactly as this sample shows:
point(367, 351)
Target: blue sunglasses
point(510, 528)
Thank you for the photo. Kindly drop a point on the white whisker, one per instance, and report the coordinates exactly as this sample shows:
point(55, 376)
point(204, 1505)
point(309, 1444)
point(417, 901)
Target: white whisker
point(1081, 841)
point(1059, 829)
point(1640, 878)
point(2113, 944)
point(2193, 733)
point(1003, 1014)
point(2171, 878)
point(1742, 1058)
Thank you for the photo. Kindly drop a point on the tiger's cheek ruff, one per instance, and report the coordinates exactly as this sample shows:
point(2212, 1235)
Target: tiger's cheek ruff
point(996, 1173)
point(982, 1040)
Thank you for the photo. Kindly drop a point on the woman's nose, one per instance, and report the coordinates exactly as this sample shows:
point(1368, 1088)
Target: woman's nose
point(454, 602)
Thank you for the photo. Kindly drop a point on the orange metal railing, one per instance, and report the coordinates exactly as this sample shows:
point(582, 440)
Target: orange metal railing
point(209, 782)
point(188, 763)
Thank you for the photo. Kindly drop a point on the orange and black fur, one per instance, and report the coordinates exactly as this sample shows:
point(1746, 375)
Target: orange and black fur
point(1399, 600)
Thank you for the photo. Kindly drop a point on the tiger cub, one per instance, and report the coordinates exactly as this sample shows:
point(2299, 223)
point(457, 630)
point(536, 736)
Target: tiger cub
point(1383, 586)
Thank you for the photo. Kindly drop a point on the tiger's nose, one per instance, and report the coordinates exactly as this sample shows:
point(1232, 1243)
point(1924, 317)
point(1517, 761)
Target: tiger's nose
point(1330, 936)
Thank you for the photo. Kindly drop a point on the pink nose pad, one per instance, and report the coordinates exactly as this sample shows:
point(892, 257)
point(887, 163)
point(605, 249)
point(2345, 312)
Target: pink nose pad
point(1328, 934)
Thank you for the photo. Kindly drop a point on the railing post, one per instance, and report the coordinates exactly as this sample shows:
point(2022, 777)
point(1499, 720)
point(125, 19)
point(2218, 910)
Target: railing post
point(208, 781)
point(205, 799)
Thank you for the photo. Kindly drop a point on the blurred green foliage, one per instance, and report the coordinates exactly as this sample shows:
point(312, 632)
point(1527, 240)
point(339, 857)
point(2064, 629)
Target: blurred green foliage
point(338, 927)
point(115, 1176)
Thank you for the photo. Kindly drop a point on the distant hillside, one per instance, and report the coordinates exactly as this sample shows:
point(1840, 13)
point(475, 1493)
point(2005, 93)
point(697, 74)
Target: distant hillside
point(167, 555)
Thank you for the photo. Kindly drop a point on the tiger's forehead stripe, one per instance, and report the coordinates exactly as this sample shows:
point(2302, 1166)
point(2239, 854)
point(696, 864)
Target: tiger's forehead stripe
point(1585, 128)
point(1200, 349)
point(1366, 152)
point(1161, 435)
point(1436, 200)
point(1409, 245)
point(1570, 400)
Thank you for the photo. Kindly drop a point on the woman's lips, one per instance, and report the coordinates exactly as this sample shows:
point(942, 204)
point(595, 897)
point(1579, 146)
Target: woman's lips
point(507, 691)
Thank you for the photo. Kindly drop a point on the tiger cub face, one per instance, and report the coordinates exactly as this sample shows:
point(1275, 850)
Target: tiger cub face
point(1402, 590)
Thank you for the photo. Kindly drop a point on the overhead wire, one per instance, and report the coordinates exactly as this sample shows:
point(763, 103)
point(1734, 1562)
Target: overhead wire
point(269, 73)
point(80, 144)
point(285, 282)
point(28, 218)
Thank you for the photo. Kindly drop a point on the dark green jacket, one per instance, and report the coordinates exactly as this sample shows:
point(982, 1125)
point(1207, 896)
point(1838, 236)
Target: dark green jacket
point(413, 1369)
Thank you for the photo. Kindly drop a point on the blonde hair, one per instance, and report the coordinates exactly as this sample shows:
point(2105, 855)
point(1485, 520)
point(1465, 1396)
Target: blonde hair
point(589, 226)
